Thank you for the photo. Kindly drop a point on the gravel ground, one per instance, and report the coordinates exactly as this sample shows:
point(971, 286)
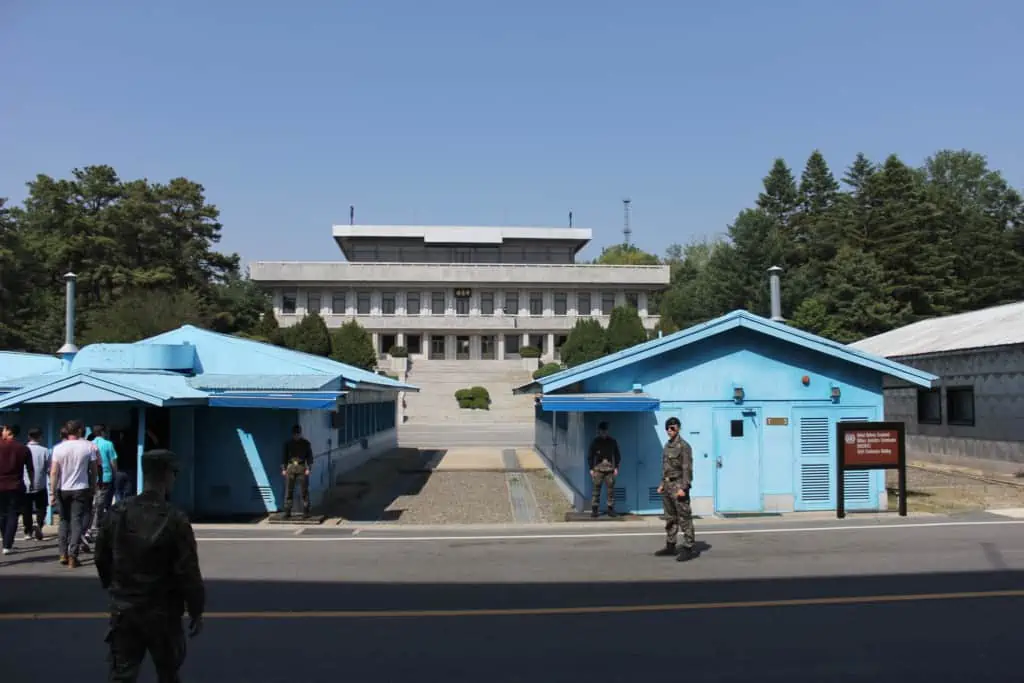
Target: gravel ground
point(941, 492)
point(551, 502)
point(456, 498)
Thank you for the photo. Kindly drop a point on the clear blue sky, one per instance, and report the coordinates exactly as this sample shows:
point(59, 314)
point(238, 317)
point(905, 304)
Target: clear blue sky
point(496, 113)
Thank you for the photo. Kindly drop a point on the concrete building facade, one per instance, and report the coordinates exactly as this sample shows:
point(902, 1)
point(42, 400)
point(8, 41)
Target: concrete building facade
point(460, 293)
point(758, 401)
point(975, 412)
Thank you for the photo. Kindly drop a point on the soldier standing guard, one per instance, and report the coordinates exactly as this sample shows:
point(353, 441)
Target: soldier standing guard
point(147, 560)
point(298, 460)
point(677, 478)
point(603, 460)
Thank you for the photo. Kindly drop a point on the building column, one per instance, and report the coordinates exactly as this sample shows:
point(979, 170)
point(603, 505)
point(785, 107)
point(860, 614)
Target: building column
point(550, 355)
point(376, 343)
point(642, 304)
point(499, 346)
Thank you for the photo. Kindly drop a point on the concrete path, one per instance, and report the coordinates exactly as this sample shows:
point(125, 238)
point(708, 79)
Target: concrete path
point(874, 603)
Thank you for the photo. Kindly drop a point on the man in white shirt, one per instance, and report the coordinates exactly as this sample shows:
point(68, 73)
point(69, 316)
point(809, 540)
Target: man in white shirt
point(72, 478)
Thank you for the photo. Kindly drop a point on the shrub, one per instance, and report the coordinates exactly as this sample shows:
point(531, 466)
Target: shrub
point(399, 352)
point(474, 398)
point(529, 352)
point(586, 342)
point(546, 369)
point(352, 344)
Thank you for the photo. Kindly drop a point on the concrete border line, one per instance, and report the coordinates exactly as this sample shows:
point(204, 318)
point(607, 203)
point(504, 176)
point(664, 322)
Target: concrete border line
point(527, 536)
point(552, 611)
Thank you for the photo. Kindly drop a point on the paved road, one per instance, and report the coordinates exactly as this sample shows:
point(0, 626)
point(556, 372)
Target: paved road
point(773, 605)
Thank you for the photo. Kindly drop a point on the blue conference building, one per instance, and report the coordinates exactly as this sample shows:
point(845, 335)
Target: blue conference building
point(224, 404)
point(758, 401)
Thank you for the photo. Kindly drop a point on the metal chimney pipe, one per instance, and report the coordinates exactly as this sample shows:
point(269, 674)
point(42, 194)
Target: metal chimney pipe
point(69, 316)
point(776, 291)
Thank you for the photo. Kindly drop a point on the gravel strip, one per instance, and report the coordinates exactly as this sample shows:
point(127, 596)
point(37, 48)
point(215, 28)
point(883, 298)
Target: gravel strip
point(551, 502)
point(941, 492)
point(456, 498)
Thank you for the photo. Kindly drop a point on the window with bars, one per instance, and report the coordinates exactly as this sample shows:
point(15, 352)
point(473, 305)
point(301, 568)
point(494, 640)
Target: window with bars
point(288, 302)
point(607, 303)
point(313, 303)
point(561, 303)
point(583, 306)
point(511, 303)
point(486, 303)
point(387, 303)
point(437, 304)
point(338, 303)
point(536, 303)
point(412, 303)
point(363, 303)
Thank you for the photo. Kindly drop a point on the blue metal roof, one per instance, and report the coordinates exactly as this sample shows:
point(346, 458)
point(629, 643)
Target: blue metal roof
point(604, 403)
point(730, 321)
point(262, 382)
point(284, 400)
point(157, 389)
point(223, 354)
point(15, 364)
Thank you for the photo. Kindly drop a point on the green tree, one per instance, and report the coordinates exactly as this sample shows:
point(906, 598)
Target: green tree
point(140, 314)
point(780, 197)
point(267, 329)
point(352, 344)
point(625, 329)
point(586, 342)
point(626, 255)
point(310, 335)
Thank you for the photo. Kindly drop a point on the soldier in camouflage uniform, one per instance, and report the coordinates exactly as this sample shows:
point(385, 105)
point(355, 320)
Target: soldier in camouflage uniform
point(147, 560)
point(295, 466)
point(603, 460)
point(677, 478)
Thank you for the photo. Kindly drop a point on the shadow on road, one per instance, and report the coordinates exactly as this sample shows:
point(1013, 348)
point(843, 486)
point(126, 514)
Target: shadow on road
point(365, 493)
point(886, 641)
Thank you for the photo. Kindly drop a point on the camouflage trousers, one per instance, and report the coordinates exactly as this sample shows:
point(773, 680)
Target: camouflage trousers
point(296, 473)
point(677, 514)
point(134, 633)
point(607, 478)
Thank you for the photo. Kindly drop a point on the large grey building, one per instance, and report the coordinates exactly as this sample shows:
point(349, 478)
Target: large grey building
point(976, 411)
point(459, 292)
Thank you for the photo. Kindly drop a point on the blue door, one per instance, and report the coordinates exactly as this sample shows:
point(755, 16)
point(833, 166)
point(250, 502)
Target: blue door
point(737, 439)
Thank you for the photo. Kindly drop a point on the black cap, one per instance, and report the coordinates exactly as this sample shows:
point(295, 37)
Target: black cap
point(603, 426)
point(159, 461)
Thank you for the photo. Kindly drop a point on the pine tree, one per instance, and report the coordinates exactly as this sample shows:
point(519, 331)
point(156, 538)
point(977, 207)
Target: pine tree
point(780, 197)
point(352, 344)
point(310, 335)
point(625, 329)
point(586, 342)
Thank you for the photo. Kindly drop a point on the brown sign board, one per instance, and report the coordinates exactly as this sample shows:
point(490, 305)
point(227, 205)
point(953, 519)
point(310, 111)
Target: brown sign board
point(777, 421)
point(870, 446)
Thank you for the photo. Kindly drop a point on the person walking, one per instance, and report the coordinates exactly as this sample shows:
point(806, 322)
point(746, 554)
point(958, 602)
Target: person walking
point(103, 494)
point(676, 481)
point(147, 560)
point(72, 477)
point(35, 486)
point(15, 461)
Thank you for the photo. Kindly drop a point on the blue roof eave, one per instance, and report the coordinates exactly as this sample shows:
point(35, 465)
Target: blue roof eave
point(731, 321)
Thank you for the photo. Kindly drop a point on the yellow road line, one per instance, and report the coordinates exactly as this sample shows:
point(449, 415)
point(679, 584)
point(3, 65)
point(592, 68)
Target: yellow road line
point(549, 611)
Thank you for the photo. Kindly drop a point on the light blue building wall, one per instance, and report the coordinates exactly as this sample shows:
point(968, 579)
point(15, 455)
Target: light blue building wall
point(758, 402)
point(225, 405)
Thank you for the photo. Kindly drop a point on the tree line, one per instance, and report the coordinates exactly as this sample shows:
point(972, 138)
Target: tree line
point(887, 245)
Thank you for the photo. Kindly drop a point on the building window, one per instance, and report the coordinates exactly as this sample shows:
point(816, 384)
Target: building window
point(561, 303)
point(512, 342)
point(387, 303)
point(462, 306)
point(288, 300)
point(512, 303)
point(413, 344)
point(363, 303)
point(536, 303)
point(487, 303)
point(736, 429)
point(960, 406)
point(633, 300)
point(313, 303)
point(338, 303)
point(607, 303)
point(929, 406)
point(583, 306)
point(437, 305)
point(412, 303)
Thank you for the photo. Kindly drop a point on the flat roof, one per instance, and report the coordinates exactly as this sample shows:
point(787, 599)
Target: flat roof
point(463, 234)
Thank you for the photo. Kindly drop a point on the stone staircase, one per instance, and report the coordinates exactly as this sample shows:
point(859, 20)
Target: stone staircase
point(434, 419)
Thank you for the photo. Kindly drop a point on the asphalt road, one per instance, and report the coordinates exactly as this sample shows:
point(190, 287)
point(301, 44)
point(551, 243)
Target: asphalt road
point(772, 605)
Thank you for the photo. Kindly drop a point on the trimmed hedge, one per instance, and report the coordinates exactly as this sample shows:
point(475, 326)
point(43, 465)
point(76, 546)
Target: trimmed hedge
point(546, 369)
point(474, 398)
point(398, 352)
point(529, 352)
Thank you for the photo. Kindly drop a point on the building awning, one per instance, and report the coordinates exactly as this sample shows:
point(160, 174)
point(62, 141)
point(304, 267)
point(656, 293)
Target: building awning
point(600, 403)
point(283, 400)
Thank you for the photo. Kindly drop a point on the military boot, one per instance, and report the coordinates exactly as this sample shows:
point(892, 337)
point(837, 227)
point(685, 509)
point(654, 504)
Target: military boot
point(686, 554)
point(594, 512)
point(668, 551)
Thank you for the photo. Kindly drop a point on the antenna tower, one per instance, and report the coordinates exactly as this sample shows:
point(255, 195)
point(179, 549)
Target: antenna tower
point(626, 231)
